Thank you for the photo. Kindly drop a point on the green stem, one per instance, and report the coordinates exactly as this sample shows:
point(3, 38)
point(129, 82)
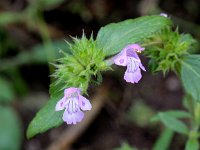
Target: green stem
point(151, 43)
point(196, 115)
point(194, 109)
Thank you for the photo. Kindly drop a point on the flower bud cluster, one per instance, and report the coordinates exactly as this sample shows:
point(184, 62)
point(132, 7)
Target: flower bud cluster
point(83, 62)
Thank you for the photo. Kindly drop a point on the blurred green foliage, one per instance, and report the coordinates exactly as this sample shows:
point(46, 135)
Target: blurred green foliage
point(6, 91)
point(145, 112)
point(173, 123)
point(11, 82)
point(6, 43)
point(10, 129)
point(192, 144)
point(46, 4)
point(126, 146)
point(164, 140)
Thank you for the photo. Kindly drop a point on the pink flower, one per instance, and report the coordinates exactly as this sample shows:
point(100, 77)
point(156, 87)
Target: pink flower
point(128, 57)
point(73, 103)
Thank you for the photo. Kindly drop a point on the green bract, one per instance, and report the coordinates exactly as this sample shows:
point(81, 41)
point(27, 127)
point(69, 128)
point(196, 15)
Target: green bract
point(166, 48)
point(77, 68)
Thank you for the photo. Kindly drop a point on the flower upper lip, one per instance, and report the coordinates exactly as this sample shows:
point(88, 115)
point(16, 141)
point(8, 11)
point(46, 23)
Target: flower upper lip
point(129, 57)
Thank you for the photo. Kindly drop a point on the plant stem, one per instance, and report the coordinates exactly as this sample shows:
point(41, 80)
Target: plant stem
point(152, 43)
point(194, 109)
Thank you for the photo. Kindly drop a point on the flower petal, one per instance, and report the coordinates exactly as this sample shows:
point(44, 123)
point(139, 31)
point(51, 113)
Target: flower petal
point(130, 53)
point(60, 104)
point(79, 116)
point(72, 104)
point(84, 103)
point(133, 77)
point(121, 59)
point(142, 67)
point(73, 118)
point(136, 47)
point(71, 90)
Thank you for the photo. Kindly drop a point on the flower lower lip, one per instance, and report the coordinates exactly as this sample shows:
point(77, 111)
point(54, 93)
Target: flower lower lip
point(74, 105)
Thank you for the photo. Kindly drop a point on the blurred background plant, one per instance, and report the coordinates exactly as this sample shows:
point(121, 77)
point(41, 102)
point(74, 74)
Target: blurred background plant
point(31, 35)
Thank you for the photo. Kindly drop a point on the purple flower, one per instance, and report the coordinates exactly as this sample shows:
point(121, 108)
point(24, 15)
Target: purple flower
point(164, 15)
point(73, 103)
point(128, 57)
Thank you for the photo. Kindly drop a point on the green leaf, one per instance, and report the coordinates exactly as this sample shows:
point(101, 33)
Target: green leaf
point(164, 140)
point(192, 144)
point(173, 123)
point(10, 129)
point(114, 37)
point(190, 75)
point(38, 54)
point(6, 90)
point(45, 119)
point(178, 114)
point(56, 88)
